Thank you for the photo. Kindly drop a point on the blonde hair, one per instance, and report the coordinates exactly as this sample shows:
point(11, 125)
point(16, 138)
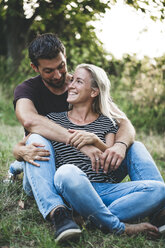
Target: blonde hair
point(102, 103)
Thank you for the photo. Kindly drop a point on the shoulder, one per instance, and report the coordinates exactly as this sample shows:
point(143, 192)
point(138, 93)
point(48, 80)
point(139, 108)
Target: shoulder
point(106, 122)
point(106, 119)
point(29, 84)
point(28, 89)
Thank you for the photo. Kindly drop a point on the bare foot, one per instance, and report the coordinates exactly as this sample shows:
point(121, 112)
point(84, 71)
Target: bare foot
point(141, 228)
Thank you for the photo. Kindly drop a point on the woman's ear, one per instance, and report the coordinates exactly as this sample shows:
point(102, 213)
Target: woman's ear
point(95, 92)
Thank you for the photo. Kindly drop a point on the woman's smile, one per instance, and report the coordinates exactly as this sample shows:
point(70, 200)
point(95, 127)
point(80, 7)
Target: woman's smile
point(80, 88)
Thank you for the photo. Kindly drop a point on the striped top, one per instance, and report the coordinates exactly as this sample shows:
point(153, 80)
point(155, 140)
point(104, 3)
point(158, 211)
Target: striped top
point(65, 154)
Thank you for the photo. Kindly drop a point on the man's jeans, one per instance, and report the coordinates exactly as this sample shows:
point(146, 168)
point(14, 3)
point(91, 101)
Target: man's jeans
point(138, 164)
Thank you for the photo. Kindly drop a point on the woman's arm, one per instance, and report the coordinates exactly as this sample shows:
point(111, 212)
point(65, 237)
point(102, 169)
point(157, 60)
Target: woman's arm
point(81, 138)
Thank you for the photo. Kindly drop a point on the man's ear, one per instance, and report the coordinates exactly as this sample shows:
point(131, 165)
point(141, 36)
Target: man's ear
point(95, 92)
point(34, 67)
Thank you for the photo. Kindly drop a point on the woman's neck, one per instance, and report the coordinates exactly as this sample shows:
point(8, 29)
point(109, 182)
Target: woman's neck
point(82, 115)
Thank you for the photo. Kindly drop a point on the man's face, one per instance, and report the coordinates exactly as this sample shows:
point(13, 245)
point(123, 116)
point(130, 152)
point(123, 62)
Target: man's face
point(53, 71)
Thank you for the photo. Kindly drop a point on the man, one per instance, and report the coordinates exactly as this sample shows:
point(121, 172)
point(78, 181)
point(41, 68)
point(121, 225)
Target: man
point(45, 93)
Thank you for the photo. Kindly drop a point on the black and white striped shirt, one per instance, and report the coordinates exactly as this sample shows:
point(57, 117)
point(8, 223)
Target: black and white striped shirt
point(65, 154)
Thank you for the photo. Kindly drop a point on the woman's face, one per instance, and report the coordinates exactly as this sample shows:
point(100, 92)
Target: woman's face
point(80, 90)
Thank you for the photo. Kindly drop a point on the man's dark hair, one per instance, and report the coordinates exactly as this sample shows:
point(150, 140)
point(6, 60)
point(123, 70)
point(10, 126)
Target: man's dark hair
point(45, 46)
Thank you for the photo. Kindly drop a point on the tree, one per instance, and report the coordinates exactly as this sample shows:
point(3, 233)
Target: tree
point(69, 19)
point(155, 8)
point(21, 20)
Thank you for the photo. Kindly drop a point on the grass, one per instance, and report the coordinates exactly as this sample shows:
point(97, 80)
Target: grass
point(21, 224)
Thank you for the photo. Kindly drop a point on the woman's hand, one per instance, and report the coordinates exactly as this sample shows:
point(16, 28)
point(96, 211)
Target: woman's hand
point(94, 154)
point(80, 138)
point(112, 157)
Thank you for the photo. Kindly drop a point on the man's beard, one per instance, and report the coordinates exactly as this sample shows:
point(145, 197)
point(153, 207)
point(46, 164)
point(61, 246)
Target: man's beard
point(56, 84)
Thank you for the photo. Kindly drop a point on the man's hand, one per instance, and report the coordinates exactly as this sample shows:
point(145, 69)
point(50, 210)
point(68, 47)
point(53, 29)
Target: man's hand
point(35, 151)
point(112, 157)
point(29, 153)
point(94, 154)
point(80, 138)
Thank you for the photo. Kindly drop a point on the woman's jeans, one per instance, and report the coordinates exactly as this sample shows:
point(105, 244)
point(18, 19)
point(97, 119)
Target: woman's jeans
point(117, 202)
point(106, 204)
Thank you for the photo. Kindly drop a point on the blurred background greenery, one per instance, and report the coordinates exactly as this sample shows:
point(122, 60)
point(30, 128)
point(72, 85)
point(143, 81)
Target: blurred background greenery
point(138, 86)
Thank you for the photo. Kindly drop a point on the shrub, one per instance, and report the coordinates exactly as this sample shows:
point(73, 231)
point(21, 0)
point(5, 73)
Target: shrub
point(139, 90)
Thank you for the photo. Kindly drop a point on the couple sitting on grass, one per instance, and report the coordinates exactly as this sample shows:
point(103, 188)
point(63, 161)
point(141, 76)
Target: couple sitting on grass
point(80, 176)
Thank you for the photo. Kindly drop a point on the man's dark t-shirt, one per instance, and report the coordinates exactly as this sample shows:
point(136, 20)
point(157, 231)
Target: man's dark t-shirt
point(43, 99)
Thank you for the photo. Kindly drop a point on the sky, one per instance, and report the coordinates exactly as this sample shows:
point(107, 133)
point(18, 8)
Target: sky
point(123, 30)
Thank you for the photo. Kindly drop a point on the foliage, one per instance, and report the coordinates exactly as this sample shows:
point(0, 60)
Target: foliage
point(69, 19)
point(138, 87)
point(21, 20)
point(156, 9)
point(7, 114)
point(11, 77)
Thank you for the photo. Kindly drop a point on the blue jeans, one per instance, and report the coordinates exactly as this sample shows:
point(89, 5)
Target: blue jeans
point(16, 167)
point(39, 181)
point(138, 164)
point(106, 204)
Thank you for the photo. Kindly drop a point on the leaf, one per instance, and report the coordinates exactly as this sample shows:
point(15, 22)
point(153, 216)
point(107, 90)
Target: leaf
point(21, 204)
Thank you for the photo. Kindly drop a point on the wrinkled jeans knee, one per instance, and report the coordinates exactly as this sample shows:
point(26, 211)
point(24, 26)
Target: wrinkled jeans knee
point(68, 176)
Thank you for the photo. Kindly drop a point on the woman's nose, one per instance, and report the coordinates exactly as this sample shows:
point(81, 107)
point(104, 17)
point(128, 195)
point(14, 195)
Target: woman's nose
point(71, 85)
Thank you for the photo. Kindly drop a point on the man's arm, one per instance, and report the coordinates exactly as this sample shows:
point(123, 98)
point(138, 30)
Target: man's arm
point(113, 156)
point(34, 123)
point(126, 132)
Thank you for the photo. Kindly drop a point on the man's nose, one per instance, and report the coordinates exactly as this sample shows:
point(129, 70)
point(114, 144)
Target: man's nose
point(57, 74)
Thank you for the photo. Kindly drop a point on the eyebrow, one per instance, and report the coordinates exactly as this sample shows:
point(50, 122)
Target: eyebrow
point(80, 78)
point(48, 68)
point(52, 69)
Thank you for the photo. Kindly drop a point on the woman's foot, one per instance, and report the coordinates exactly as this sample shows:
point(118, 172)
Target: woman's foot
point(144, 227)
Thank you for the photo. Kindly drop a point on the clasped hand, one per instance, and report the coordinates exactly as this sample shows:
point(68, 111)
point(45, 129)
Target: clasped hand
point(110, 159)
point(80, 138)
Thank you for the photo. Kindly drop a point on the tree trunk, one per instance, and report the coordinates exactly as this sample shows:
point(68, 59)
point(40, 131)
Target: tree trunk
point(16, 31)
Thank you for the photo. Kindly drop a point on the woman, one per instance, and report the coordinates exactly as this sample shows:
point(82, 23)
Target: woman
point(93, 189)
